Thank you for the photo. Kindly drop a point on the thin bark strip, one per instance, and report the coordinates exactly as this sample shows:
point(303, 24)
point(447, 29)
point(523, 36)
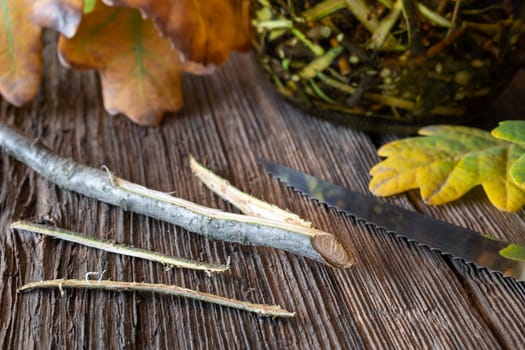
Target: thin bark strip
point(116, 248)
point(249, 205)
point(413, 27)
point(119, 286)
point(383, 30)
point(211, 223)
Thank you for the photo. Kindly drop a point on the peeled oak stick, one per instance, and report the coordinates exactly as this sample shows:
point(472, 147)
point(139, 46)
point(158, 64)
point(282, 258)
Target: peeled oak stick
point(212, 223)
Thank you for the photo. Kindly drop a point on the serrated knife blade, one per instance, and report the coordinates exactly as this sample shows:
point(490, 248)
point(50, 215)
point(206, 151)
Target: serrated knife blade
point(447, 238)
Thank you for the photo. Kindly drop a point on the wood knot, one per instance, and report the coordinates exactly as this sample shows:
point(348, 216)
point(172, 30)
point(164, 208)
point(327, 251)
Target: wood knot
point(333, 251)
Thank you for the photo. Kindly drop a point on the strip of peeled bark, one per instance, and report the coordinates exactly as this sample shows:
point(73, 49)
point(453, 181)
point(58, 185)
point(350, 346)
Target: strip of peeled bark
point(118, 286)
point(247, 204)
point(117, 248)
point(212, 223)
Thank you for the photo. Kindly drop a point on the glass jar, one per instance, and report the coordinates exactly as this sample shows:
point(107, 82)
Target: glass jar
point(389, 65)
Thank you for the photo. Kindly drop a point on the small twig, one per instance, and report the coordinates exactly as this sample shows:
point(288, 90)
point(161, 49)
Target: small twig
point(439, 47)
point(317, 91)
point(455, 13)
point(320, 63)
point(346, 88)
point(441, 6)
point(116, 248)
point(323, 9)
point(212, 223)
point(490, 29)
point(380, 30)
point(434, 17)
point(316, 49)
point(413, 27)
point(364, 85)
point(383, 30)
point(118, 286)
point(274, 24)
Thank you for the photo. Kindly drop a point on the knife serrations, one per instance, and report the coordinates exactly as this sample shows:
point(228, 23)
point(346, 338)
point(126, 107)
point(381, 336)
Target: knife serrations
point(448, 239)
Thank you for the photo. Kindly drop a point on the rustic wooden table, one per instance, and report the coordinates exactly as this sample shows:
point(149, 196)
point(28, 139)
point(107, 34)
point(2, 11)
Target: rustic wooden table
point(398, 296)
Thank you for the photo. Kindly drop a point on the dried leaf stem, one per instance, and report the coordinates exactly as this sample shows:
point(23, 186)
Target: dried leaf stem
point(323, 9)
point(383, 29)
point(212, 223)
point(361, 11)
point(118, 286)
point(410, 12)
point(117, 248)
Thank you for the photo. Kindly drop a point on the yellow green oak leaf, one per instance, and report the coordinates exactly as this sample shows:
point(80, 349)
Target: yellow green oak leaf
point(446, 162)
point(514, 252)
point(514, 131)
point(89, 6)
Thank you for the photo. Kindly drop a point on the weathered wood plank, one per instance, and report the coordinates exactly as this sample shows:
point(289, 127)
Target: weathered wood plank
point(399, 295)
point(500, 302)
point(298, 141)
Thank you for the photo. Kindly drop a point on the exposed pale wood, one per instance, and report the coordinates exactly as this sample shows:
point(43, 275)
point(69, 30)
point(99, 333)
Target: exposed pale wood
point(398, 295)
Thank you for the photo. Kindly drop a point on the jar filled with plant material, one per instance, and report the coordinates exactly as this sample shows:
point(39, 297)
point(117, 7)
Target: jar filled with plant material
point(389, 65)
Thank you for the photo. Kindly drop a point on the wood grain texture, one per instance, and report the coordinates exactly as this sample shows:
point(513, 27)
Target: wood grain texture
point(398, 296)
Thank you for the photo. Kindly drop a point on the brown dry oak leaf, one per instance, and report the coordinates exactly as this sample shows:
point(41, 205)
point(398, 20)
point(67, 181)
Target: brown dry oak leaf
point(20, 52)
point(139, 69)
point(205, 31)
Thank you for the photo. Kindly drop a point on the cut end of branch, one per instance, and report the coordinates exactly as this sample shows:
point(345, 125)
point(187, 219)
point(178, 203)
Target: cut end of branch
point(333, 251)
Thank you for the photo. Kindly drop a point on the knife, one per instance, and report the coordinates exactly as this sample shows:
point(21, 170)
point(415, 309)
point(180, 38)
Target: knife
point(448, 239)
